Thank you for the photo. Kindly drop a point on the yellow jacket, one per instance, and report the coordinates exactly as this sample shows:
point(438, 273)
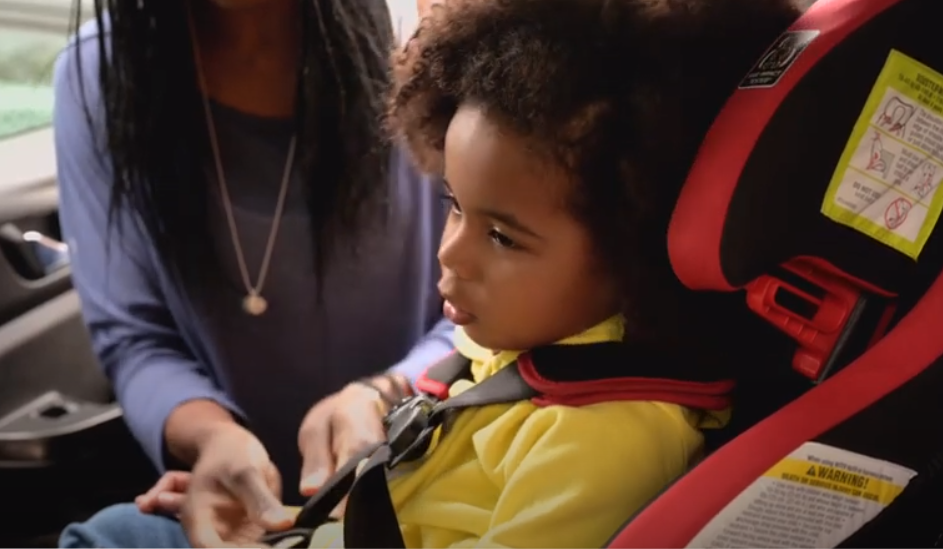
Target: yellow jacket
point(518, 475)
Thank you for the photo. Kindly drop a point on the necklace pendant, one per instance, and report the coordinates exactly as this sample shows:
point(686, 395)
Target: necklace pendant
point(254, 304)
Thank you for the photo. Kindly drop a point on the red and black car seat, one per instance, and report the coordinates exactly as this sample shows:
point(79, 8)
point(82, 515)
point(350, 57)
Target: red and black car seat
point(817, 194)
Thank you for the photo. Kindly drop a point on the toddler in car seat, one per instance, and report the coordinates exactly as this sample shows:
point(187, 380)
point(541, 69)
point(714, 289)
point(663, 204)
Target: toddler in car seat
point(563, 130)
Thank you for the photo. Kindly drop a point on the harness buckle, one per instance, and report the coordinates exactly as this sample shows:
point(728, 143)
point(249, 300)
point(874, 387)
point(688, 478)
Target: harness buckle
point(409, 427)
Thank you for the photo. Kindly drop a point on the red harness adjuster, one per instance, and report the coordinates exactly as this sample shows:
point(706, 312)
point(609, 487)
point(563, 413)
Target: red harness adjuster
point(426, 382)
point(832, 317)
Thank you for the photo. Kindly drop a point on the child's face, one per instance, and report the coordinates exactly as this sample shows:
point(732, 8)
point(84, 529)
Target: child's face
point(517, 270)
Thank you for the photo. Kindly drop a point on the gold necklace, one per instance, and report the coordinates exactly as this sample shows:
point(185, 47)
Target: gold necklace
point(253, 303)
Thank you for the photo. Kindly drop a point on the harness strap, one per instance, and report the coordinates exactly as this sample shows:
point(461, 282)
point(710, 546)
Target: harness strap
point(371, 520)
point(317, 510)
point(438, 379)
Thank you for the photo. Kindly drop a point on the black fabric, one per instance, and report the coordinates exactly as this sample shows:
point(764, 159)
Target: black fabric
point(915, 519)
point(905, 427)
point(450, 369)
point(774, 214)
point(607, 360)
point(565, 363)
point(373, 522)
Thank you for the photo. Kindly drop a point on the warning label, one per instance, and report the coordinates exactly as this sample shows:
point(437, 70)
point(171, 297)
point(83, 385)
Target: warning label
point(816, 497)
point(770, 69)
point(885, 184)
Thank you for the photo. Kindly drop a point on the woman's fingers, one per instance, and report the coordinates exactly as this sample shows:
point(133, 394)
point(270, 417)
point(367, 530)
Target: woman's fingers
point(170, 503)
point(315, 440)
point(251, 487)
point(199, 521)
point(337, 429)
point(169, 482)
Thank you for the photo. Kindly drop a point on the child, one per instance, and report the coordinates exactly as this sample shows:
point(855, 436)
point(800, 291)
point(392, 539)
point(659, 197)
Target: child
point(564, 130)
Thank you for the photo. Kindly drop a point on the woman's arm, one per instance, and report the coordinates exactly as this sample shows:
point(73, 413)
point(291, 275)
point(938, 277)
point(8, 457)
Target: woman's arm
point(131, 330)
point(435, 345)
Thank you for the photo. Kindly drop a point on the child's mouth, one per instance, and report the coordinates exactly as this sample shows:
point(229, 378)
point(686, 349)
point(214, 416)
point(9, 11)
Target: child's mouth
point(457, 316)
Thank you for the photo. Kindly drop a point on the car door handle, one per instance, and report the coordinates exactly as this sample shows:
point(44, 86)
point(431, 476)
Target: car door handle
point(33, 254)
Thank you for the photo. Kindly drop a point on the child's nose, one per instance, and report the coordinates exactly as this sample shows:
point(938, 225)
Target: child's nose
point(455, 254)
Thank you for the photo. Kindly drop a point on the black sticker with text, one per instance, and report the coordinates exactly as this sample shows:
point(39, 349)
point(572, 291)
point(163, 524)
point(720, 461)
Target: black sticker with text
point(778, 58)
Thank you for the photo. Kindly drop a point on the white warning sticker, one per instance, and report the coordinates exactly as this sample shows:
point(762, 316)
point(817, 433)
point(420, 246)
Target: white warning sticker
point(816, 497)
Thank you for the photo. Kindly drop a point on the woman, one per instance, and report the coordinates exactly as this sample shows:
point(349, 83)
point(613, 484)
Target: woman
point(243, 242)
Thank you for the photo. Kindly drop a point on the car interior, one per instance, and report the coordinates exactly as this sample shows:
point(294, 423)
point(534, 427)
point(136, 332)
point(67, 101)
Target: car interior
point(64, 449)
point(812, 198)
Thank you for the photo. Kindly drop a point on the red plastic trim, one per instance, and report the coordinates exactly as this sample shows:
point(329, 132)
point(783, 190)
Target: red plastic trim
point(697, 225)
point(705, 396)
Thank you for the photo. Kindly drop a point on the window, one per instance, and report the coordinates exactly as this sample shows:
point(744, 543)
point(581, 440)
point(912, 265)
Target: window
point(404, 16)
point(32, 33)
point(25, 80)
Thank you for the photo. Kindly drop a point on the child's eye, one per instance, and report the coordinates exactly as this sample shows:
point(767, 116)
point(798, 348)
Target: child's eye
point(453, 204)
point(502, 240)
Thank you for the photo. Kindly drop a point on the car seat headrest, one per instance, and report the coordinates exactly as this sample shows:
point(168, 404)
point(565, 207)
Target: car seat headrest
point(830, 149)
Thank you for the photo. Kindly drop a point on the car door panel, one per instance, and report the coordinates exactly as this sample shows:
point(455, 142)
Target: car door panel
point(64, 448)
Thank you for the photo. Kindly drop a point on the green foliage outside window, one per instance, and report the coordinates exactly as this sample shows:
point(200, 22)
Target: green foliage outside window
point(26, 64)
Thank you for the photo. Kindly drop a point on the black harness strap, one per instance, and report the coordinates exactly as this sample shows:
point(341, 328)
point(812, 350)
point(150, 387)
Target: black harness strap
point(373, 522)
point(370, 519)
point(450, 369)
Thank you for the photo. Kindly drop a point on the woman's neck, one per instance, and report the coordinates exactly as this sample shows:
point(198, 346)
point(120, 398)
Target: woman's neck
point(250, 56)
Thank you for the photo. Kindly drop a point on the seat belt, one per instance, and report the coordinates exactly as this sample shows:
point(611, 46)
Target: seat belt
point(370, 520)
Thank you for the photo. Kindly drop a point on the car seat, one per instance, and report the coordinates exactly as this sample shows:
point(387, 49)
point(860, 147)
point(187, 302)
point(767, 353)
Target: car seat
point(833, 239)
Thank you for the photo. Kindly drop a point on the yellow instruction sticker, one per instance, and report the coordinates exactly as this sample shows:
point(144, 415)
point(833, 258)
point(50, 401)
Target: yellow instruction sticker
point(817, 496)
point(886, 181)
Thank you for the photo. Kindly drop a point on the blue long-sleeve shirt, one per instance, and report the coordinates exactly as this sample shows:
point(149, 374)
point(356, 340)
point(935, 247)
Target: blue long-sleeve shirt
point(162, 346)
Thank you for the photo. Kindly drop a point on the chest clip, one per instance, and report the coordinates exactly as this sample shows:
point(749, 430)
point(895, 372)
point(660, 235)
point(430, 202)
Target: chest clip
point(409, 427)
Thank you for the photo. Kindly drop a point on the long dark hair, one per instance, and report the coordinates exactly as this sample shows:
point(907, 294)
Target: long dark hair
point(157, 140)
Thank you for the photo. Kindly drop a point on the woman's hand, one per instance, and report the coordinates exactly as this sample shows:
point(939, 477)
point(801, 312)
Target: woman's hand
point(233, 497)
point(167, 495)
point(343, 424)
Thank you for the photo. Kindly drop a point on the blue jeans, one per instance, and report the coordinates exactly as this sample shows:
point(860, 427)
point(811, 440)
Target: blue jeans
point(123, 525)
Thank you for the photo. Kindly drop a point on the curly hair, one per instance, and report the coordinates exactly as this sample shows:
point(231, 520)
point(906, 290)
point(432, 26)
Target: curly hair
point(619, 93)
